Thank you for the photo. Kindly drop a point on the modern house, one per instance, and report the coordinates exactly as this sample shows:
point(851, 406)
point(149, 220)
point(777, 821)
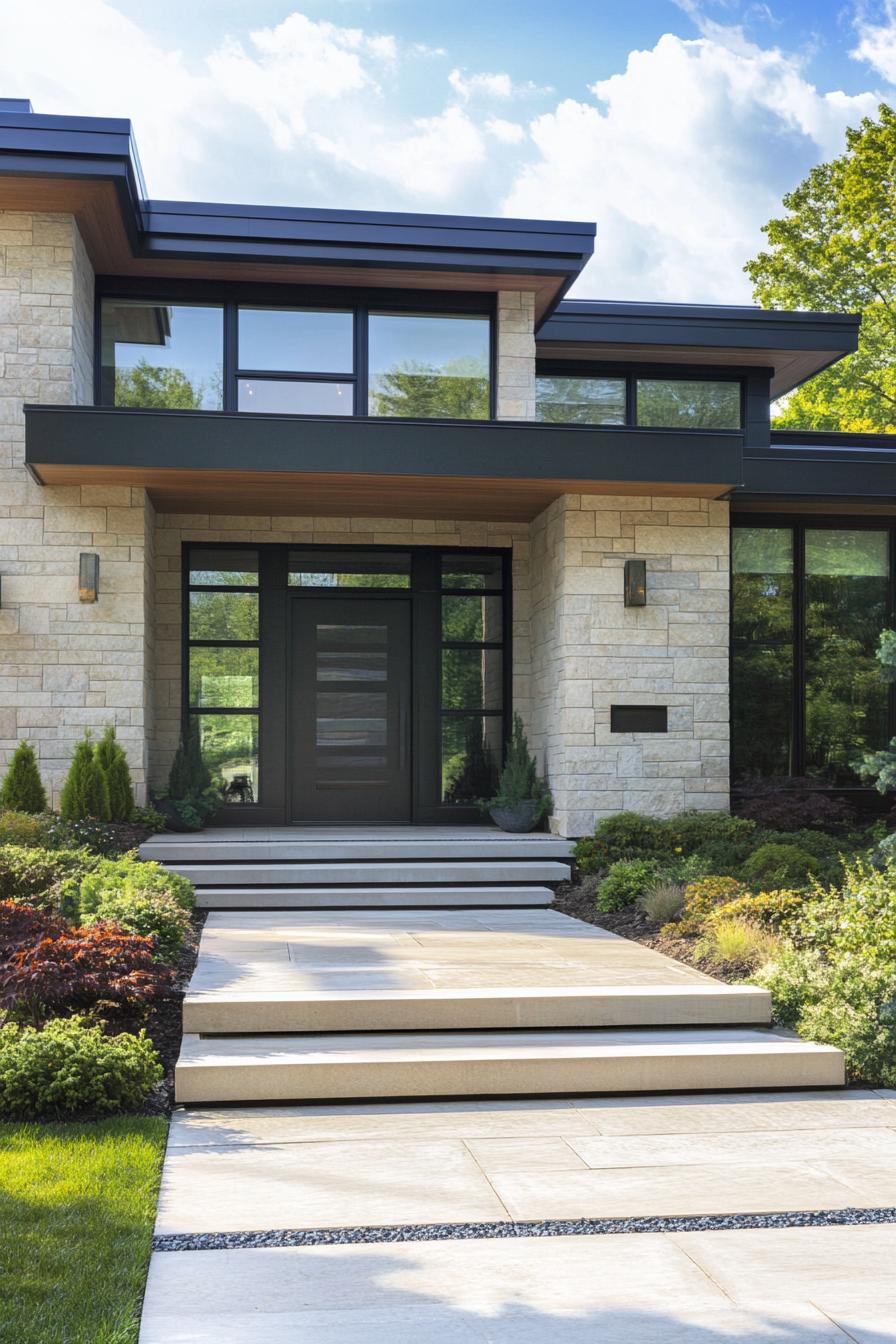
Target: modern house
point(350, 488)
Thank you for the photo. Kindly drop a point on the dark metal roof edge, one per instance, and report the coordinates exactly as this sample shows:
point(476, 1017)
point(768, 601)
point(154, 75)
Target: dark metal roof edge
point(830, 438)
point(705, 312)
point(102, 149)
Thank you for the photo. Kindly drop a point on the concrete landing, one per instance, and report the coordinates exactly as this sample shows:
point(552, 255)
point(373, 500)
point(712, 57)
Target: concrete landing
point(443, 970)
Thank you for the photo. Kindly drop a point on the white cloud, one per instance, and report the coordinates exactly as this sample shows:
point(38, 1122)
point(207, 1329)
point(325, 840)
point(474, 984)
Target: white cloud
point(877, 42)
point(491, 86)
point(434, 158)
point(508, 132)
point(680, 159)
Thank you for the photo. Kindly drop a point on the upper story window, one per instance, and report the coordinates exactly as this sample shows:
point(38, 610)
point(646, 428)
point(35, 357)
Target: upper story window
point(162, 355)
point(688, 403)
point(567, 400)
point(273, 359)
point(668, 402)
point(423, 366)
point(296, 361)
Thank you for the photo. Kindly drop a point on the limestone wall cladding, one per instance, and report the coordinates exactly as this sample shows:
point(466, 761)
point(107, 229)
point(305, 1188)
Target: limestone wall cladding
point(173, 530)
point(589, 652)
point(64, 665)
point(516, 355)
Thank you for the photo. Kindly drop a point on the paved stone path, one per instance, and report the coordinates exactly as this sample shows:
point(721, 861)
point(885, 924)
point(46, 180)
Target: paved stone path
point(455, 1162)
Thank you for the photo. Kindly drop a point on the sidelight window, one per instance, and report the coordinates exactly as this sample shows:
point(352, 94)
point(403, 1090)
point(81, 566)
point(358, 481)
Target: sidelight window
point(472, 676)
point(223, 663)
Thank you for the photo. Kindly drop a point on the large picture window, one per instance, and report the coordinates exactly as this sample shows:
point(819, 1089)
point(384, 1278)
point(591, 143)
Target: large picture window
point(168, 356)
point(809, 600)
point(327, 357)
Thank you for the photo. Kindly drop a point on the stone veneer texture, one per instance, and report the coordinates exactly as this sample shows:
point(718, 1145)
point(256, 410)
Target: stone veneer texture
point(589, 652)
point(64, 665)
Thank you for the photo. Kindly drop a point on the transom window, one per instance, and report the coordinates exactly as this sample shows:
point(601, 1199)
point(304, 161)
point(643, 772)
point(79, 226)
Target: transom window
point(667, 402)
point(271, 359)
point(809, 601)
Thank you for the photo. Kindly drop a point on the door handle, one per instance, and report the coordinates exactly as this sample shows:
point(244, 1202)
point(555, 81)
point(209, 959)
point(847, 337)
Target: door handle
point(403, 727)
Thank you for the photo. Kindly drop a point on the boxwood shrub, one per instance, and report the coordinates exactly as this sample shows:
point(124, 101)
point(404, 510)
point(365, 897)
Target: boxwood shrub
point(70, 1066)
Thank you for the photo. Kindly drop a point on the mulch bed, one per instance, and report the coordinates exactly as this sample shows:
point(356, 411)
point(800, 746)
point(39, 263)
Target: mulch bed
point(164, 1024)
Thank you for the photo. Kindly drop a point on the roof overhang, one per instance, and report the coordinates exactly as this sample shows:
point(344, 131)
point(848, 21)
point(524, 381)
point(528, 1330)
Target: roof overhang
point(89, 167)
point(793, 346)
point(209, 461)
point(839, 472)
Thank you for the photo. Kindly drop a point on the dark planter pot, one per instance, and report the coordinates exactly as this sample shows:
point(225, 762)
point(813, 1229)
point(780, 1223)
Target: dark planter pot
point(520, 816)
point(173, 820)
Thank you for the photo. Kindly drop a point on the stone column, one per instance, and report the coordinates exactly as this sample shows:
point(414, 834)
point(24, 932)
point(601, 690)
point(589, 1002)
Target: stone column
point(64, 665)
point(590, 652)
point(516, 355)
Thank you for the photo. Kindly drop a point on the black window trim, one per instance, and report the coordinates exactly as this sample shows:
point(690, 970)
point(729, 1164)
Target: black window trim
point(630, 373)
point(798, 524)
point(231, 295)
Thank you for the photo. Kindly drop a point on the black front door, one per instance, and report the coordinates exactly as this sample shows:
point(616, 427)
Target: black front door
point(349, 749)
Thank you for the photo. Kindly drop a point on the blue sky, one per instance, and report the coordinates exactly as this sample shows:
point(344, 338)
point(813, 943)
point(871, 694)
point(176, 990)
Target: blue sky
point(677, 127)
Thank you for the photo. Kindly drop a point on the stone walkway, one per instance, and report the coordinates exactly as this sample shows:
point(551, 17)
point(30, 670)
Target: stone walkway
point(456, 1163)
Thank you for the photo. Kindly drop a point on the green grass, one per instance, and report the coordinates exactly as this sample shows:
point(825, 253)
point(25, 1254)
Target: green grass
point(77, 1204)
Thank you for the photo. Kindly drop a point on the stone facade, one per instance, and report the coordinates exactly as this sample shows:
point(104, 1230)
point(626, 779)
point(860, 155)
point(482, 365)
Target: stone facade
point(589, 652)
point(516, 355)
point(65, 666)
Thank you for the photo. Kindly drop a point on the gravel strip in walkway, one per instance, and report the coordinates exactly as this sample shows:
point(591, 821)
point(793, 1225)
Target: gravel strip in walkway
point(554, 1227)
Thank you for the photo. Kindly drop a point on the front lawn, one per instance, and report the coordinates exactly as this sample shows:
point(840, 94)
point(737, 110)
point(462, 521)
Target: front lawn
point(77, 1204)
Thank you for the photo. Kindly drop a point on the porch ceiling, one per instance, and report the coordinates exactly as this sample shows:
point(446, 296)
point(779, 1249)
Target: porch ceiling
point(291, 494)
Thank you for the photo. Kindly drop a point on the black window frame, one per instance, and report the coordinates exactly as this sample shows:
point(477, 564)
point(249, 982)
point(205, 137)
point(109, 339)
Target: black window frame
point(798, 524)
point(231, 295)
point(425, 596)
point(631, 373)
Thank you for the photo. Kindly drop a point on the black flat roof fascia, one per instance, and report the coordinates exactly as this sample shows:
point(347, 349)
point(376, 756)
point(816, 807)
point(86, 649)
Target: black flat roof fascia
point(822, 466)
point(103, 148)
point(215, 440)
point(716, 327)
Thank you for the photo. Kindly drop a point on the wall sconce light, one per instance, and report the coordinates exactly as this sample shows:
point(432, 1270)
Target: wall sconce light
point(635, 590)
point(88, 577)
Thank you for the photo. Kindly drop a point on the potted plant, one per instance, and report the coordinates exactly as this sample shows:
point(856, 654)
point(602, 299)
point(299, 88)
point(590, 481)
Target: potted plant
point(192, 797)
point(523, 798)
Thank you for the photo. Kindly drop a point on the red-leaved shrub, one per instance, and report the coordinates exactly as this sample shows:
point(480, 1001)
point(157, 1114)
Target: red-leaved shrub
point(63, 969)
point(23, 925)
point(793, 805)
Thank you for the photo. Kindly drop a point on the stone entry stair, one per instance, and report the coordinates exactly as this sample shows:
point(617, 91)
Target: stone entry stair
point(302, 1005)
point(353, 868)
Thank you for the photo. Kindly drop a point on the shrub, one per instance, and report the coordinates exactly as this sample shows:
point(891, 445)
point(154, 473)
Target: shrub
point(131, 877)
point(701, 898)
point(859, 917)
point(624, 883)
point(77, 968)
point(36, 876)
point(155, 916)
point(21, 925)
point(662, 900)
point(70, 1066)
point(794, 805)
point(777, 865)
point(21, 828)
point(737, 941)
point(795, 979)
point(85, 792)
point(856, 1011)
point(113, 763)
point(696, 832)
point(22, 790)
point(625, 835)
point(778, 910)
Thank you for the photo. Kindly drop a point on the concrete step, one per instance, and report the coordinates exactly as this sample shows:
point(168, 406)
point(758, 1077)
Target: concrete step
point(436, 1064)
point(220, 1011)
point(371, 898)
point(323, 850)
point(372, 873)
